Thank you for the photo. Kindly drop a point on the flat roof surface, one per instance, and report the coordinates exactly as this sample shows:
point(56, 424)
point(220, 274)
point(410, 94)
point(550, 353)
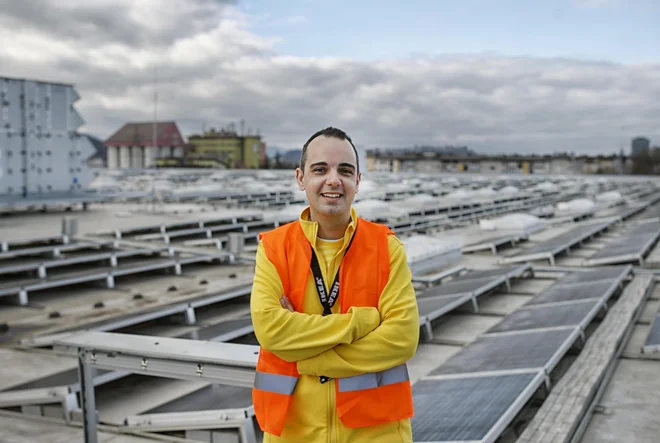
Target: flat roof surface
point(55, 310)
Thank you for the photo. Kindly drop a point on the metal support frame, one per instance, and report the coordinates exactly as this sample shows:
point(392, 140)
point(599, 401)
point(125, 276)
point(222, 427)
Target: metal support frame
point(214, 362)
point(194, 420)
point(88, 400)
point(427, 331)
point(475, 305)
point(22, 297)
point(190, 316)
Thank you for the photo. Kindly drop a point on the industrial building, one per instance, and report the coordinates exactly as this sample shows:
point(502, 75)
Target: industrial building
point(227, 148)
point(42, 156)
point(430, 162)
point(147, 145)
point(641, 146)
point(140, 145)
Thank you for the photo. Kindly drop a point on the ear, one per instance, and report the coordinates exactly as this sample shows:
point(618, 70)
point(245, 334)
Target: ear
point(357, 182)
point(299, 179)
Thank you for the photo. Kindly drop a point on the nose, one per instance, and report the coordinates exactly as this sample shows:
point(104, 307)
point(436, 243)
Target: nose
point(332, 179)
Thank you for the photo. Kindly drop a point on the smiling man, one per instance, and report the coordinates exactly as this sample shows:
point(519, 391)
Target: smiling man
point(335, 313)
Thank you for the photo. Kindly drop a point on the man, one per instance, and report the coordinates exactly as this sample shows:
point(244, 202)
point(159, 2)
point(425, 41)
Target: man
point(335, 313)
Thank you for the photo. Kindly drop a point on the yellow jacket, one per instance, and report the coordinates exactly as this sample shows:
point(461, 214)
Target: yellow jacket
point(336, 346)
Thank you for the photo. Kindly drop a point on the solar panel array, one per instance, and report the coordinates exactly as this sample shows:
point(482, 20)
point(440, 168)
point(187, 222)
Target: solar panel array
point(31, 266)
point(475, 394)
point(561, 243)
point(461, 289)
point(631, 246)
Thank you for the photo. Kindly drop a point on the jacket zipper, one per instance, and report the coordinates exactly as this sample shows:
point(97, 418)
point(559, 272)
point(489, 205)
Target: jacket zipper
point(333, 430)
point(333, 409)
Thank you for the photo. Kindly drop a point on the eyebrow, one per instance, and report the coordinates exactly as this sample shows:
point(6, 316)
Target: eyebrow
point(345, 165)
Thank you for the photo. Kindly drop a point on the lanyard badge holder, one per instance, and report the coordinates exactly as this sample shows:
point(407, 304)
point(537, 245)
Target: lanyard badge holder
point(327, 300)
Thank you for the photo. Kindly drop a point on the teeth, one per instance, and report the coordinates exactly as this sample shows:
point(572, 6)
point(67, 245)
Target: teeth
point(332, 195)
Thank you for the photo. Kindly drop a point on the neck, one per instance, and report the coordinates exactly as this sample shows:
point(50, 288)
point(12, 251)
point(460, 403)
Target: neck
point(331, 228)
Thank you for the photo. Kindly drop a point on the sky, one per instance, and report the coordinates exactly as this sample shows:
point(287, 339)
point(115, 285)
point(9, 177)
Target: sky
point(501, 76)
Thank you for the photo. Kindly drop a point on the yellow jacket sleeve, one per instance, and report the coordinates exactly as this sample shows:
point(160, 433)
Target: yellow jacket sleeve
point(294, 336)
point(392, 343)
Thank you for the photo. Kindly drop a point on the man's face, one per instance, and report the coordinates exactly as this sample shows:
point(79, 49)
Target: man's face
point(330, 179)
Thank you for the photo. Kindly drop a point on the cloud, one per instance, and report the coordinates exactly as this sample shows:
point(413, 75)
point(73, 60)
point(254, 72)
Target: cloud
point(212, 70)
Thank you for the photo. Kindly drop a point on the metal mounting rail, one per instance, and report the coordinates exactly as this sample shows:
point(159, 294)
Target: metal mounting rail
point(437, 277)
point(226, 363)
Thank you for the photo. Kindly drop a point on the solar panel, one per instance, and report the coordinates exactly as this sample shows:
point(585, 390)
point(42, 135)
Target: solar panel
point(604, 273)
point(457, 287)
point(608, 252)
point(537, 249)
point(548, 316)
point(533, 349)
point(482, 273)
point(628, 247)
point(564, 240)
point(433, 307)
point(467, 409)
point(574, 291)
point(208, 398)
point(645, 228)
point(651, 212)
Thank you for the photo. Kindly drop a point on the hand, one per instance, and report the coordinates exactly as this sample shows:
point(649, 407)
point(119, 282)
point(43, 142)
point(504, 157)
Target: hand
point(286, 303)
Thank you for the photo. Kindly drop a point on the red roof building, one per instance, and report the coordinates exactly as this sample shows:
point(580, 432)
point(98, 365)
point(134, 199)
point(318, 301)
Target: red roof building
point(133, 145)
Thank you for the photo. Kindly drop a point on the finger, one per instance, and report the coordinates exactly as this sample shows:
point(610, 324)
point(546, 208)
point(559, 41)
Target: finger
point(287, 303)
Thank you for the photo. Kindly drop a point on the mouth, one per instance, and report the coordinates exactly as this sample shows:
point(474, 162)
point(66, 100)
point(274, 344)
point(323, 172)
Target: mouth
point(332, 195)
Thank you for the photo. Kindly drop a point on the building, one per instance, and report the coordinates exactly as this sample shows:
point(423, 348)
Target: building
point(640, 147)
point(41, 152)
point(426, 162)
point(227, 148)
point(133, 147)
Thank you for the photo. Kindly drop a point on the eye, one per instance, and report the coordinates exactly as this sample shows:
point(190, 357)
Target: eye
point(319, 169)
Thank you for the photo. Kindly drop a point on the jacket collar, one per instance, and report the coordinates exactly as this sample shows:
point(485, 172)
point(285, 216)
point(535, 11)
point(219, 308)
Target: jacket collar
point(311, 228)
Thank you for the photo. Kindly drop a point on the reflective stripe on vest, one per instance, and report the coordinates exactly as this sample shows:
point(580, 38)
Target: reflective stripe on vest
point(372, 380)
point(279, 384)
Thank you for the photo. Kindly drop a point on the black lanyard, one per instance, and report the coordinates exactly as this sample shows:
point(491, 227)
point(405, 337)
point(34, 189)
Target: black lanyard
point(327, 300)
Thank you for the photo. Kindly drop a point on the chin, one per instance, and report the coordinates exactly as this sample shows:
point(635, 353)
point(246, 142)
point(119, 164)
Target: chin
point(332, 210)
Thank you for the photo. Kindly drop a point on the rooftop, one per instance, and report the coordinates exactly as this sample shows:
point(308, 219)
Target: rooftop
point(515, 310)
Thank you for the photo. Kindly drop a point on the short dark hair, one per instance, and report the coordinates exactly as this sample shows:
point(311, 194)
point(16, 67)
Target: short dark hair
point(333, 133)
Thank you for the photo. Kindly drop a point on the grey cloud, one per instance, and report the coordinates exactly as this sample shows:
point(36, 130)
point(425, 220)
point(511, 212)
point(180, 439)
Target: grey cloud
point(213, 71)
point(100, 22)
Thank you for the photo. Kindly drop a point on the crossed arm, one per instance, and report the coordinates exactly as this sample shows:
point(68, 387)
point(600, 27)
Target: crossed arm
point(339, 345)
point(295, 336)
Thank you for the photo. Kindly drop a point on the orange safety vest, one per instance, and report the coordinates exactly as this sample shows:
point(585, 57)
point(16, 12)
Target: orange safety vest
point(363, 400)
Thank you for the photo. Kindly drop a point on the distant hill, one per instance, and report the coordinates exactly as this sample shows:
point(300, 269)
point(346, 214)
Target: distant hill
point(291, 156)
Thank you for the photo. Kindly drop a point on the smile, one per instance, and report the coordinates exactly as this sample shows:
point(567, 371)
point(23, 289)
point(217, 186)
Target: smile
point(331, 195)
